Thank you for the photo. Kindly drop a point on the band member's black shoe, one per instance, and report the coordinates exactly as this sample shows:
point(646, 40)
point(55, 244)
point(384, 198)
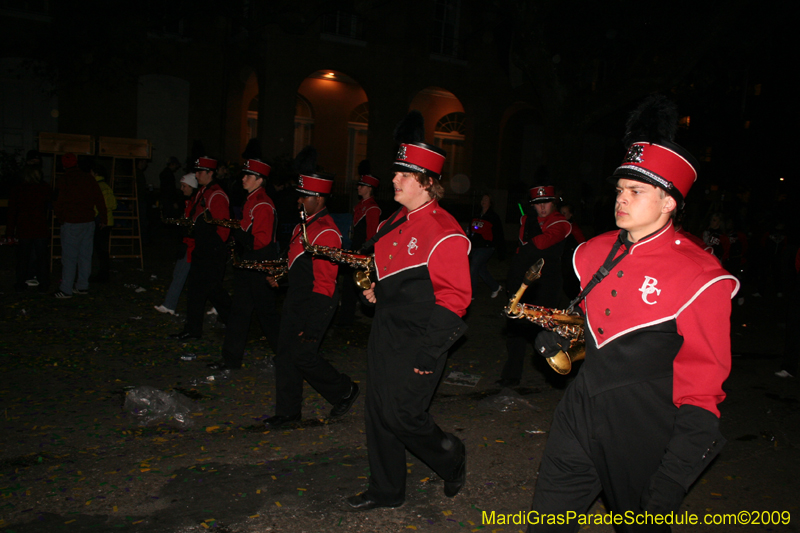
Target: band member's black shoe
point(364, 502)
point(274, 422)
point(183, 335)
point(344, 405)
point(451, 488)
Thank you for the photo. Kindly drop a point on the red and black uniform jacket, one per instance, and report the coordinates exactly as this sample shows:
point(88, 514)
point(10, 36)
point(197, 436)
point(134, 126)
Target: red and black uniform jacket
point(366, 217)
point(27, 211)
point(312, 280)
point(663, 310)
point(209, 238)
point(77, 196)
point(259, 224)
point(423, 286)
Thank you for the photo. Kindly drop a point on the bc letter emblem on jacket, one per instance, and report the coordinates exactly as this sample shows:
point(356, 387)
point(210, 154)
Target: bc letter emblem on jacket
point(648, 288)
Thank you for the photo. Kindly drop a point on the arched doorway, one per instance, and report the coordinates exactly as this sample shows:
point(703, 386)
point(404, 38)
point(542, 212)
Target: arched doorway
point(337, 125)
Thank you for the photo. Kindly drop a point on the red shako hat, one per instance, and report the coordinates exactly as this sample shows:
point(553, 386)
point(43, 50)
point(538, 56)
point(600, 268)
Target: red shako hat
point(665, 165)
point(256, 167)
point(652, 156)
point(542, 193)
point(370, 181)
point(315, 184)
point(420, 157)
point(205, 163)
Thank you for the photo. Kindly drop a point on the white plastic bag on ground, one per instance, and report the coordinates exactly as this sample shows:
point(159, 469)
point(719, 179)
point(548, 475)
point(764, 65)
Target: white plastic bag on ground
point(153, 406)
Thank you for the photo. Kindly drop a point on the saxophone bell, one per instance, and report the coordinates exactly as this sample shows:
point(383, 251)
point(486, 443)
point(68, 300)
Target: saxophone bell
point(562, 361)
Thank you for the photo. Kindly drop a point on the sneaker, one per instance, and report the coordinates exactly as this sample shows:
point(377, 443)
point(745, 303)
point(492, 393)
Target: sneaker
point(61, 295)
point(495, 293)
point(32, 282)
point(80, 291)
point(162, 309)
point(783, 374)
point(212, 311)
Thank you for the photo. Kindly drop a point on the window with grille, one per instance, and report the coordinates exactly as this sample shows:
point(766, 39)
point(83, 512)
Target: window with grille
point(343, 24)
point(444, 34)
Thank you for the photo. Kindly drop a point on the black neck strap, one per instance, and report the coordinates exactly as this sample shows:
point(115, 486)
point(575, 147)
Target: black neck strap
point(603, 271)
point(388, 226)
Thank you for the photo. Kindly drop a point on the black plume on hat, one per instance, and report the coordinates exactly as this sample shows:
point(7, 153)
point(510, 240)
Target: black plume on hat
point(364, 167)
point(411, 129)
point(252, 150)
point(306, 161)
point(654, 121)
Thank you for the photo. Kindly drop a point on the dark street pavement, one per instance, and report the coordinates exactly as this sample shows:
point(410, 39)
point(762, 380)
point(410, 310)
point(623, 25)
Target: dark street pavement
point(72, 459)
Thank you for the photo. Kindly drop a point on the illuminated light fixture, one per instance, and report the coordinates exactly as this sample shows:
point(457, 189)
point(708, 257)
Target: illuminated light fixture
point(780, 179)
point(330, 75)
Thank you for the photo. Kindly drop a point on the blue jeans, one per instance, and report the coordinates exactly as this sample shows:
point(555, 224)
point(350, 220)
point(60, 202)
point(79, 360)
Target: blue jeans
point(478, 261)
point(76, 254)
point(178, 281)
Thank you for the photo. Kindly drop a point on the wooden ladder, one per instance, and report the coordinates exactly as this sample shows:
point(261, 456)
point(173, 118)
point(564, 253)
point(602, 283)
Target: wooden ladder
point(126, 235)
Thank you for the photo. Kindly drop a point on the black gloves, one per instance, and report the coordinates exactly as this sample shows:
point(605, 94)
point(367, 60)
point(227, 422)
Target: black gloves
point(695, 441)
point(532, 228)
point(444, 328)
point(549, 343)
point(244, 238)
point(663, 495)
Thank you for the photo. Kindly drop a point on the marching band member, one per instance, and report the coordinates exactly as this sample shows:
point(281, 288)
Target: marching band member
point(251, 292)
point(423, 290)
point(307, 311)
point(540, 237)
point(209, 255)
point(366, 216)
point(640, 421)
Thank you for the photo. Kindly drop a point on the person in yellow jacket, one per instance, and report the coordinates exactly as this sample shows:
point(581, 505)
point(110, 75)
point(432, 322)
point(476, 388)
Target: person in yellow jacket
point(102, 234)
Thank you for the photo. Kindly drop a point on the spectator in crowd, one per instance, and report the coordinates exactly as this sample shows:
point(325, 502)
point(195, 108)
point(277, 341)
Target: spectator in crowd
point(28, 207)
point(486, 235)
point(78, 198)
point(188, 187)
point(102, 233)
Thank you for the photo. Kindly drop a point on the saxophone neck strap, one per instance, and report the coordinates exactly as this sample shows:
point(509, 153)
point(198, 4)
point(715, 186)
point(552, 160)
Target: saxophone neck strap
point(604, 270)
point(390, 224)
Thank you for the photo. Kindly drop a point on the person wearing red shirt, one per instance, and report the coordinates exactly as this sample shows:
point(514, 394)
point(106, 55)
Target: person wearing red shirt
point(251, 292)
point(209, 255)
point(540, 237)
point(640, 421)
point(311, 301)
point(422, 292)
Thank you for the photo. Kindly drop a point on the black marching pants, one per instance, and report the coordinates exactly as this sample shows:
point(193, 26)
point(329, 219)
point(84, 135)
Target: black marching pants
point(251, 292)
point(205, 283)
point(299, 360)
point(397, 420)
point(612, 442)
